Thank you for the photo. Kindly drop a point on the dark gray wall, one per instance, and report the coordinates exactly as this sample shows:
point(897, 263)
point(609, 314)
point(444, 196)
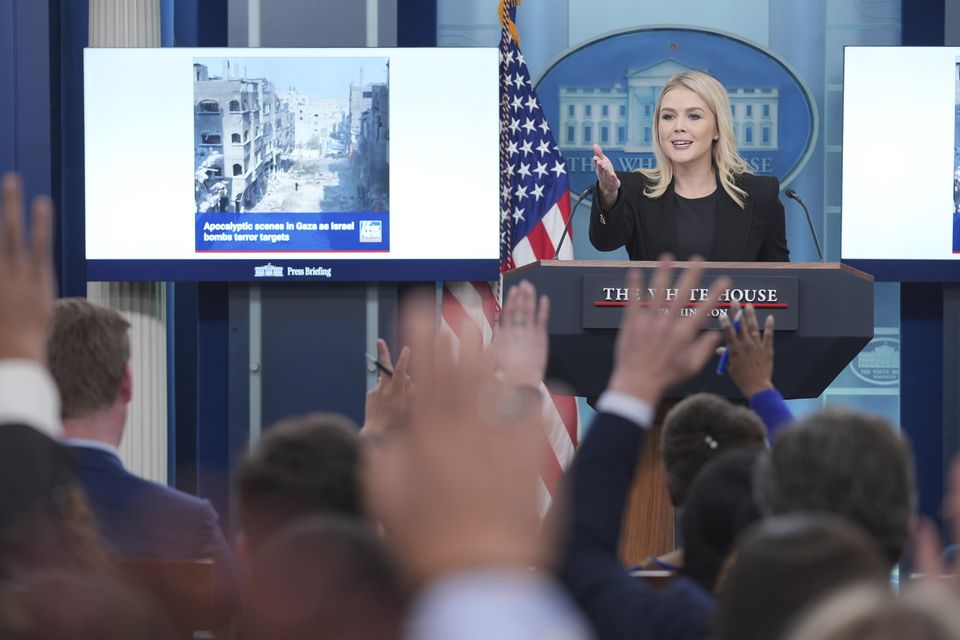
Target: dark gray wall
point(313, 23)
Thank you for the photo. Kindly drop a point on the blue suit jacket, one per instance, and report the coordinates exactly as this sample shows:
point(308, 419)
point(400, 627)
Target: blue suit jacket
point(619, 606)
point(142, 519)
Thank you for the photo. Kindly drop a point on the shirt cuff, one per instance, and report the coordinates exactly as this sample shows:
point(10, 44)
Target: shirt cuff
point(495, 603)
point(626, 406)
point(28, 395)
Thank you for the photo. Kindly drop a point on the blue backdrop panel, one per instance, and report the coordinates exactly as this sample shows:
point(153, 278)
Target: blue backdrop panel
point(921, 396)
point(32, 94)
point(8, 111)
point(923, 390)
point(182, 345)
point(313, 345)
point(198, 23)
point(922, 23)
point(25, 93)
point(417, 23)
point(69, 37)
point(213, 444)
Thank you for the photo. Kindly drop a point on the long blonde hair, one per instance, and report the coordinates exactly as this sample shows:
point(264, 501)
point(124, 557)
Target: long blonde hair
point(726, 159)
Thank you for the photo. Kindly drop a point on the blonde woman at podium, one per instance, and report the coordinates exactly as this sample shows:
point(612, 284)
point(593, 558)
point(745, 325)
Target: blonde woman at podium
point(702, 197)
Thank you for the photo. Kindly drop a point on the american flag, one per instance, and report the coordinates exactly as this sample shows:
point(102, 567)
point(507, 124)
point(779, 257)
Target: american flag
point(534, 207)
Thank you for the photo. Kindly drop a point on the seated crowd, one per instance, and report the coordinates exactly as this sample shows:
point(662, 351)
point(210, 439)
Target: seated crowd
point(425, 523)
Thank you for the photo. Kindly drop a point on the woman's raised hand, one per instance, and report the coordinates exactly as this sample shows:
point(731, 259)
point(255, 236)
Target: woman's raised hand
point(606, 177)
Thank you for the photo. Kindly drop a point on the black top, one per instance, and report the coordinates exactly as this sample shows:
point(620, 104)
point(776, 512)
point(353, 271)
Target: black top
point(696, 222)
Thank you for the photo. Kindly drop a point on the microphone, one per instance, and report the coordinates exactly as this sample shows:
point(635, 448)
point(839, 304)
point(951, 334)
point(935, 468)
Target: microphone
point(566, 229)
point(793, 195)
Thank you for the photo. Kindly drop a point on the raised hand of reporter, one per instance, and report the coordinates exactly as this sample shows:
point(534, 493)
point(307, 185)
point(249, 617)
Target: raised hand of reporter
point(457, 490)
point(26, 274)
point(520, 341)
point(750, 363)
point(388, 402)
point(656, 349)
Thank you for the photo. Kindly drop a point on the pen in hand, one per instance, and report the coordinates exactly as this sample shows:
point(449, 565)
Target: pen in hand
point(384, 369)
point(725, 358)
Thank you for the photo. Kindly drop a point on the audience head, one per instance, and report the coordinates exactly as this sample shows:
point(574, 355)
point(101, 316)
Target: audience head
point(49, 605)
point(324, 577)
point(719, 507)
point(867, 612)
point(88, 354)
point(785, 563)
point(846, 463)
point(698, 429)
point(302, 466)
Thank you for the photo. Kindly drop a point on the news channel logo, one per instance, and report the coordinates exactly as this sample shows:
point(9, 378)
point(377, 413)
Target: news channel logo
point(605, 92)
point(371, 231)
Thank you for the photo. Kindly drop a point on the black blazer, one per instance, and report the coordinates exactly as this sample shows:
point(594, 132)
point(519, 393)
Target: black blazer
point(646, 226)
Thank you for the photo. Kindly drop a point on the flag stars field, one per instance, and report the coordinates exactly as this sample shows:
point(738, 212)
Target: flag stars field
point(530, 229)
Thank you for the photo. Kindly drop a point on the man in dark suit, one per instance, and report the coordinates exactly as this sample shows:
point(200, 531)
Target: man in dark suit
point(88, 355)
point(655, 351)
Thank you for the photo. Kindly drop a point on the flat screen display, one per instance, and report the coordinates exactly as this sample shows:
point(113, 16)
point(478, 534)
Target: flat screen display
point(291, 164)
point(901, 162)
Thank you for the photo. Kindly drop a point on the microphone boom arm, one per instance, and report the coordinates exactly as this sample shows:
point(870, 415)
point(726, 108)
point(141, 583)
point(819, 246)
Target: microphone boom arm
point(566, 228)
point(793, 195)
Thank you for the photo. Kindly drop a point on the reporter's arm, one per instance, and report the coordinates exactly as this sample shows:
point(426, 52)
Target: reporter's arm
point(751, 366)
point(28, 394)
point(772, 409)
point(654, 352)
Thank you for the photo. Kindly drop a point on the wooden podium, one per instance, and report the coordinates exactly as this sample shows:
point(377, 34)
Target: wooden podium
point(824, 317)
